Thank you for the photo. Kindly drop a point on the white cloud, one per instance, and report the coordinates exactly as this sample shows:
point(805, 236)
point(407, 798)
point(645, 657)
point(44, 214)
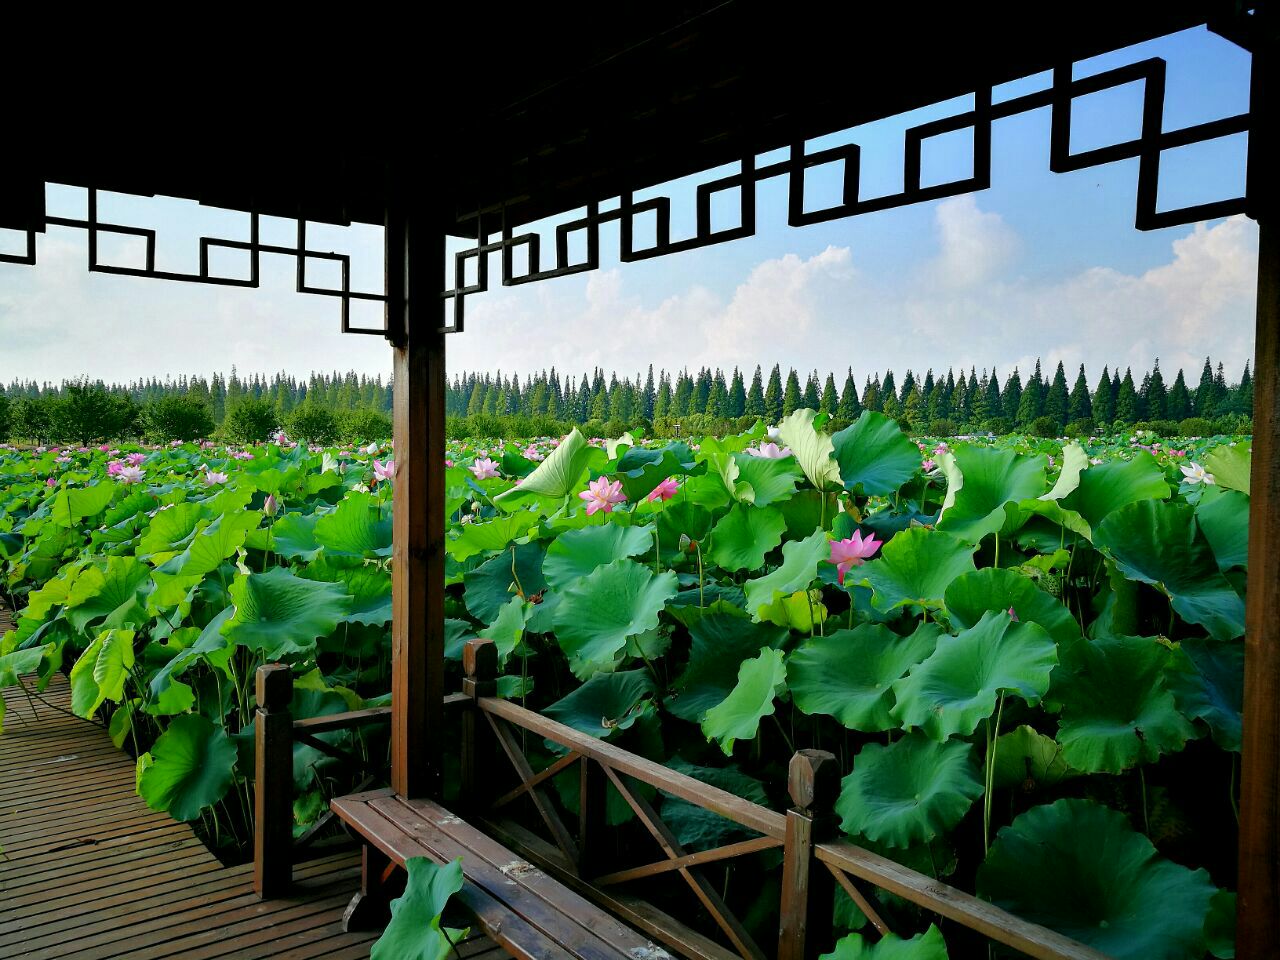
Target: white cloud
point(974, 245)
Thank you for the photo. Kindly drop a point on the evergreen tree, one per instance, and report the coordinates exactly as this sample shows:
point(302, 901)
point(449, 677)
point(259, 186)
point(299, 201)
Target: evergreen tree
point(849, 408)
point(1079, 405)
point(773, 401)
point(1056, 402)
point(1127, 400)
point(994, 401)
point(1156, 395)
point(871, 396)
point(1104, 399)
point(1179, 406)
point(1204, 401)
point(811, 396)
point(1242, 399)
point(701, 392)
point(755, 396)
point(737, 395)
point(908, 384)
point(886, 387)
point(1012, 396)
point(792, 399)
point(662, 402)
point(650, 396)
point(830, 399)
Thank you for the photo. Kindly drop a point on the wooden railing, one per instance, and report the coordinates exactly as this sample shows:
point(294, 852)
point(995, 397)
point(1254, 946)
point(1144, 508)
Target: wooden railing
point(275, 849)
point(814, 860)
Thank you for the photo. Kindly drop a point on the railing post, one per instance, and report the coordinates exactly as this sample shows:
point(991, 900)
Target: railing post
point(806, 926)
point(592, 796)
point(480, 666)
point(273, 782)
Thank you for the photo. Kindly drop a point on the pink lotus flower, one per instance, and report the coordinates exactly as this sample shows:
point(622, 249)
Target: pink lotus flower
point(115, 466)
point(665, 490)
point(927, 466)
point(448, 462)
point(130, 475)
point(485, 469)
point(602, 495)
point(212, 478)
point(135, 459)
point(105, 447)
point(51, 482)
point(280, 439)
point(846, 554)
point(384, 471)
point(531, 453)
point(1013, 615)
point(769, 451)
point(62, 460)
point(244, 455)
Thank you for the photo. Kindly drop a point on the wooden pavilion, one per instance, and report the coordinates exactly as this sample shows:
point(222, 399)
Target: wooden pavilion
point(482, 121)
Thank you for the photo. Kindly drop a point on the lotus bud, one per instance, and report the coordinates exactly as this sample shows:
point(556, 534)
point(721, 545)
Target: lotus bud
point(272, 506)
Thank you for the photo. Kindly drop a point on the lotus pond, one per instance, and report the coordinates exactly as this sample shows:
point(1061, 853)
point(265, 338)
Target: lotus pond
point(1026, 654)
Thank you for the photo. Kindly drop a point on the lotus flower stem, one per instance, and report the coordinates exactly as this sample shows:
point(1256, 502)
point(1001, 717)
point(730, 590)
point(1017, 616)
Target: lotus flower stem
point(1146, 821)
point(993, 737)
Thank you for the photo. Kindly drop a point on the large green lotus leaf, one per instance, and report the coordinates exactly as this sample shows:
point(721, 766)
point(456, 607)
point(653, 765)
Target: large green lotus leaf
point(73, 504)
point(491, 585)
point(956, 688)
point(598, 612)
point(923, 946)
point(744, 535)
point(1076, 867)
point(190, 767)
point(698, 828)
point(606, 704)
point(207, 646)
point(558, 476)
point(800, 559)
point(1074, 463)
point(803, 611)
point(849, 674)
point(722, 637)
point(370, 589)
point(917, 566)
point(1220, 927)
point(360, 526)
point(111, 595)
point(1230, 465)
point(507, 628)
point(215, 543)
point(414, 931)
point(100, 673)
point(910, 791)
point(170, 527)
point(875, 456)
point(641, 469)
point(813, 449)
point(999, 589)
point(14, 665)
point(769, 480)
point(135, 505)
point(488, 535)
point(989, 478)
point(1025, 758)
point(682, 518)
point(1116, 709)
point(1157, 542)
point(1210, 687)
point(1223, 517)
point(1107, 487)
point(292, 536)
point(576, 553)
point(280, 613)
point(737, 717)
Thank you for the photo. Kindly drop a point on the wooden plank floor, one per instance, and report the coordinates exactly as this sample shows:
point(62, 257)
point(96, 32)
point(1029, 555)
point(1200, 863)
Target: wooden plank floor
point(88, 872)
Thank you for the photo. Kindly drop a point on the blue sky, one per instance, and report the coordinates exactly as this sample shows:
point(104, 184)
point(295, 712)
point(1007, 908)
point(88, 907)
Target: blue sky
point(1041, 264)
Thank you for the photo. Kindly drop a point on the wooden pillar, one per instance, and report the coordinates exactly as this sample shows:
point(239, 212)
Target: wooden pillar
point(273, 782)
point(1258, 918)
point(480, 666)
point(593, 858)
point(415, 278)
point(808, 893)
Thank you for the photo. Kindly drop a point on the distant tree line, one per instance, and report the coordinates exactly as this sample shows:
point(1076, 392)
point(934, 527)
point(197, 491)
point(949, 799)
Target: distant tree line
point(948, 404)
point(325, 408)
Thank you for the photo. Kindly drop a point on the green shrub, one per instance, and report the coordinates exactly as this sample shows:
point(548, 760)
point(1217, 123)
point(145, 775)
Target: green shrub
point(6, 417)
point(312, 423)
point(1161, 428)
point(250, 421)
point(1084, 427)
point(1195, 427)
point(1232, 423)
point(944, 427)
point(1043, 427)
point(176, 418)
point(32, 419)
point(366, 425)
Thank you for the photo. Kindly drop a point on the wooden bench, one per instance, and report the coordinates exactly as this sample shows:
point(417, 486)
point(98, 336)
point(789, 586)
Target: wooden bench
point(527, 912)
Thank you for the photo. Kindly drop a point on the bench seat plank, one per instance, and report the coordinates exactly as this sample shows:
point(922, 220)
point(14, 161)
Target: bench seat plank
point(530, 914)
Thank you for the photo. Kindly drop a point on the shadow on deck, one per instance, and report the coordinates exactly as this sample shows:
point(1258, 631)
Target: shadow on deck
point(88, 871)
